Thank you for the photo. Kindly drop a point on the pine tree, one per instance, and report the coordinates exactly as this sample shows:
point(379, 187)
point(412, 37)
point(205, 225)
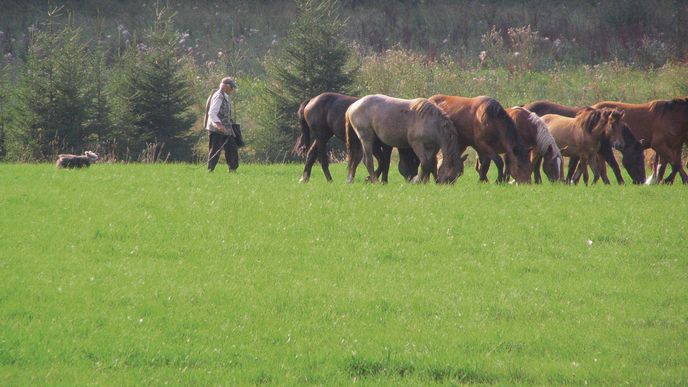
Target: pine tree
point(48, 110)
point(312, 60)
point(153, 102)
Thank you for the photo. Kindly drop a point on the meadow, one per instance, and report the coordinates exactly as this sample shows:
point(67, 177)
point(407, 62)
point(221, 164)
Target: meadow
point(127, 274)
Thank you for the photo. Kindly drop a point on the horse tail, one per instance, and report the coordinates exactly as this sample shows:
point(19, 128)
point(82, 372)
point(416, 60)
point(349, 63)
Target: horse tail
point(347, 132)
point(303, 142)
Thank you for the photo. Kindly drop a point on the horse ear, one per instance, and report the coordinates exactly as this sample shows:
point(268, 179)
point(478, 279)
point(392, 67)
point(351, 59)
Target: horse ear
point(464, 157)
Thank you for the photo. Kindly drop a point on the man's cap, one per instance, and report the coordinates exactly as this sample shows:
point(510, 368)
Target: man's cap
point(229, 81)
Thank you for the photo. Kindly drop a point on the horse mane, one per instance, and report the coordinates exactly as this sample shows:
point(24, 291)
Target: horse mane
point(543, 138)
point(423, 107)
point(587, 118)
point(661, 106)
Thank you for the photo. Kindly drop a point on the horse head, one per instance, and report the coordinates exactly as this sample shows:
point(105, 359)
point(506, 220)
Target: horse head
point(633, 157)
point(614, 124)
point(553, 163)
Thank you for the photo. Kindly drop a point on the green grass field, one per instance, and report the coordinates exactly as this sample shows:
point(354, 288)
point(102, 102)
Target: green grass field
point(154, 274)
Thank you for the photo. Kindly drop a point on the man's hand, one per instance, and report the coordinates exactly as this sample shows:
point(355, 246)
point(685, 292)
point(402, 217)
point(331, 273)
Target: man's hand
point(225, 130)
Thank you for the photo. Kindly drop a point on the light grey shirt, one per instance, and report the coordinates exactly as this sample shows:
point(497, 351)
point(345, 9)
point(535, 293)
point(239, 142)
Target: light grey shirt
point(214, 110)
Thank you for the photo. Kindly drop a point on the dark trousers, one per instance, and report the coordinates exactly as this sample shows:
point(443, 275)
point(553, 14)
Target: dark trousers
point(215, 144)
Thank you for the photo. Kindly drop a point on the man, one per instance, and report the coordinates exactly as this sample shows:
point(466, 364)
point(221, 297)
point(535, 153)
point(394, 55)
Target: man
point(219, 126)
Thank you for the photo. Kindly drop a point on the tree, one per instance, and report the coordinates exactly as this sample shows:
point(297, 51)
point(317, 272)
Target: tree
point(311, 60)
point(48, 110)
point(152, 98)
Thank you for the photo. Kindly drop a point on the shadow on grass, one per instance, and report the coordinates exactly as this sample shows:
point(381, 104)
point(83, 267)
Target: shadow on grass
point(358, 367)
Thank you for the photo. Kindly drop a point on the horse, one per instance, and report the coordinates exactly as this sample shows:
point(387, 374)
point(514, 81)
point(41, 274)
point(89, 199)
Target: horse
point(537, 138)
point(582, 135)
point(321, 118)
point(417, 124)
point(661, 125)
point(632, 152)
point(483, 124)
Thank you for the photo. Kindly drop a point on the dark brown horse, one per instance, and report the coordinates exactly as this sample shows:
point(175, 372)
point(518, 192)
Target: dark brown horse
point(483, 124)
point(582, 135)
point(417, 124)
point(661, 125)
point(632, 152)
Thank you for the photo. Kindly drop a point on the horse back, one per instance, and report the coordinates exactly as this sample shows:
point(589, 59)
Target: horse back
point(543, 107)
point(325, 114)
point(462, 112)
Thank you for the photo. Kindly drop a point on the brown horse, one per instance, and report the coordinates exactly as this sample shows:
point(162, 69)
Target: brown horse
point(582, 135)
point(632, 152)
point(483, 124)
point(321, 118)
point(536, 138)
point(418, 124)
point(661, 125)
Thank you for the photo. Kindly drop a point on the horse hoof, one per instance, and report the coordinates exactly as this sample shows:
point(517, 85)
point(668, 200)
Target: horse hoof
point(303, 180)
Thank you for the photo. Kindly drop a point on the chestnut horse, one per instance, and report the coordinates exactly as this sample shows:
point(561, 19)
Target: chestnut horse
point(321, 118)
point(661, 125)
point(483, 124)
point(632, 160)
point(582, 135)
point(418, 124)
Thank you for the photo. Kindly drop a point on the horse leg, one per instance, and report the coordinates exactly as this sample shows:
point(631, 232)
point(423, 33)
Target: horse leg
point(677, 167)
point(537, 161)
point(384, 160)
point(368, 160)
point(483, 165)
point(601, 171)
point(582, 169)
point(507, 169)
point(355, 156)
point(573, 165)
point(322, 157)
point(594, 165)
point(500, 167)
point(424, 156)
point(310, 160)
point(608, 157)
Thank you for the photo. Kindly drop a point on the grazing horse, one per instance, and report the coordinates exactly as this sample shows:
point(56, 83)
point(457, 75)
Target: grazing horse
point(418, 124)
point(321, 118)
point(582, 135)
point(536, 137)
point(632, 151)
point(483, 124)
point(661, 125)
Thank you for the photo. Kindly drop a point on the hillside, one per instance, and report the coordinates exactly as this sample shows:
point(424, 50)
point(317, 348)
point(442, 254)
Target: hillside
point(634, 31)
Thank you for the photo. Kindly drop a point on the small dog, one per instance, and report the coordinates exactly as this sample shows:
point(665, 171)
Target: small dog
point(76, 161)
